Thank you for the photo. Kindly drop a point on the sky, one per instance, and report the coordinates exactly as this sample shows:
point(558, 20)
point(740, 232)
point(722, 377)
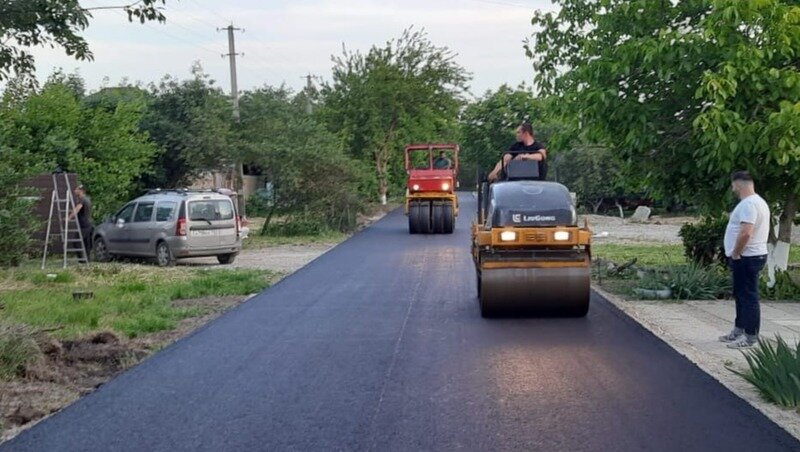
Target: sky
point(283, 41)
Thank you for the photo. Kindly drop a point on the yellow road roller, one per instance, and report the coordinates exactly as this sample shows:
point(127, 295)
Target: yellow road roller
point(531, 257)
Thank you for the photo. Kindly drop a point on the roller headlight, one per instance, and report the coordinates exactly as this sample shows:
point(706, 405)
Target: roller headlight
point(508, 236)
point(561, 236)
point(415, 187)
point(445, 186)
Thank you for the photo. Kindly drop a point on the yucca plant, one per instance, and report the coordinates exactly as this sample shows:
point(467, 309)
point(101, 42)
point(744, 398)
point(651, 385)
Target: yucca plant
point(774, 369)
point(696, 282)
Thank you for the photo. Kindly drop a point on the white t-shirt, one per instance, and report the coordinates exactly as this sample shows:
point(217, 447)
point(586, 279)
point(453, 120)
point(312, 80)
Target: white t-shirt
point(753, 210)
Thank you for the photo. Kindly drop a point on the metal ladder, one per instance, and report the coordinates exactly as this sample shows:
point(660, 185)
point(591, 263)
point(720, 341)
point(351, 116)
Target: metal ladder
point(69, 230)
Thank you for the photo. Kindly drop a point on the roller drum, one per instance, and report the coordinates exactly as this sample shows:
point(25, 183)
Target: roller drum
point(538, 291)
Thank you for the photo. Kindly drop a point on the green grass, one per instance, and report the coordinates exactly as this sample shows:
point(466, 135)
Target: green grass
point(258, 241)
point(661, 254)
point(17, 348)
point(645, 254)
point(129, 299)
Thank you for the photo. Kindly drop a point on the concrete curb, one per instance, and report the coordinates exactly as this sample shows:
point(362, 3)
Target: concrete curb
point(786, 418)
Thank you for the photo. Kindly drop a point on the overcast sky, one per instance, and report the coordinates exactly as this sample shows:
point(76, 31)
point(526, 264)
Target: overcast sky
point(284, 40)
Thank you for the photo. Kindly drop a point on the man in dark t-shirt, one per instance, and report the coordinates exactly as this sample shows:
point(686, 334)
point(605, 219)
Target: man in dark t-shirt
point(442, 162)
point(526, 148)
point(83, 210)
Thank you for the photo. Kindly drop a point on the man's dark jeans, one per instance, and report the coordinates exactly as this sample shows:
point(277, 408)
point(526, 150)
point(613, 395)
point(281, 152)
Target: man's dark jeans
point(745, 291)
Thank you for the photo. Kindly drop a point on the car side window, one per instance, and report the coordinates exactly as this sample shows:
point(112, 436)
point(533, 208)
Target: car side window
point(144, 212)
point(165, 211)
point(126, 213)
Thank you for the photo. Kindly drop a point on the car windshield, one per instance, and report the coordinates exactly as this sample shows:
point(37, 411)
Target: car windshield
point(211, 210)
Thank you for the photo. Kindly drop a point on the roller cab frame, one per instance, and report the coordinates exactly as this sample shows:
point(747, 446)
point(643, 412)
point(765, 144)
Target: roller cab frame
point(431, 202)
point(530, 254)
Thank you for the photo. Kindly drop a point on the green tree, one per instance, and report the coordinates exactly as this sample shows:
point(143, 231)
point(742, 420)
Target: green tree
point(31, 23)
point(407, 90)
point(54, 128)
point(190, 122)
point(55, 23)
point(684, 92)
point(592, 173)
point(315, 184)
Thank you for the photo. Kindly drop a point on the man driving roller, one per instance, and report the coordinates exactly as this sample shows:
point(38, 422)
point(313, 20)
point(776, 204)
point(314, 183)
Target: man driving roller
point(526, 148)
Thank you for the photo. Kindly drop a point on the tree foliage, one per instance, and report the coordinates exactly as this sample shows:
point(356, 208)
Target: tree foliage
point(54, 128)
point(190, 122)
point(54, 23)
point(404, 91)
point(684, 92)
point(315, 185)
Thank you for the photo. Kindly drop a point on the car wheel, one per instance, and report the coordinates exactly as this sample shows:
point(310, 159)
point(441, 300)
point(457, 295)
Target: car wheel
point(226, 258)
point(101, 253)
point(164, 257)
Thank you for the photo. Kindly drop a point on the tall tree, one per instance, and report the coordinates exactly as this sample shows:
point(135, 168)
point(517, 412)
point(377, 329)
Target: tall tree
point(313, 181)
point(684, 92)
point(190, 121)
point(55, 23)
point(407, 90)
point(55, 128)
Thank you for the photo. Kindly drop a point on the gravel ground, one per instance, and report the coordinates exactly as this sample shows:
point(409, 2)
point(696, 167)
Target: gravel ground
point(282, 258)
point(657, 230)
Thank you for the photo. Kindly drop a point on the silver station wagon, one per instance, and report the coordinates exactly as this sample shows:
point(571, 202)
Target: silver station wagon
point(171, 224)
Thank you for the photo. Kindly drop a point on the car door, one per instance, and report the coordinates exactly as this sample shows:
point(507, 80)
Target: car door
point(118, 236)
point(140, 229)
point(165, 220)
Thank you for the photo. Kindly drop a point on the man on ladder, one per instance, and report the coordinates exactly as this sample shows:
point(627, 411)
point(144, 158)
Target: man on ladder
point(83, 210)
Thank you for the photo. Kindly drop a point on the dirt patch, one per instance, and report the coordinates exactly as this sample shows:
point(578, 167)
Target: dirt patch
point(70, 369)
point(656, 230)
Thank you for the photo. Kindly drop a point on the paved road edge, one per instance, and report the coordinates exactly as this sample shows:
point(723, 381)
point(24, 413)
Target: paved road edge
point(786, 418)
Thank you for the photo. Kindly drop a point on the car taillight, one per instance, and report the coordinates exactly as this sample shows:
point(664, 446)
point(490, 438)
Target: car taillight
point(180, 230)
point(238, 223)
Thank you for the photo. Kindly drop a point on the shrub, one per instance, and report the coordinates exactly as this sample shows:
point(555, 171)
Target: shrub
point(774, 369)
point(18, 348)
point(696, 282)
point(785, 287)
point(703, 241)
point(688, 282)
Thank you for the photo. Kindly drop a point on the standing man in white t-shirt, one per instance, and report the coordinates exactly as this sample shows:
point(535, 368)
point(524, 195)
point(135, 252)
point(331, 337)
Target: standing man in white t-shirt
point(746, 248)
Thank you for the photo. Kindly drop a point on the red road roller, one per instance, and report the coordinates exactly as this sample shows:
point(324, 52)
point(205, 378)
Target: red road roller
point(431, 202)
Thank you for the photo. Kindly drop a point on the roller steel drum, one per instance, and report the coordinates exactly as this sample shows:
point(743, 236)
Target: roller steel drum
point(541, 291)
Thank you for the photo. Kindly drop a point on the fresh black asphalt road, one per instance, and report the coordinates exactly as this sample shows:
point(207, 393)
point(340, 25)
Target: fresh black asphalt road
point(379, 345)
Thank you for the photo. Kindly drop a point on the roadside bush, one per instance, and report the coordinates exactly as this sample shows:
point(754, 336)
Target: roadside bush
point(774, 369)
point(696, 282)
point(688, 282)
point(785, 287)
point(703, 241)
point(18, 348)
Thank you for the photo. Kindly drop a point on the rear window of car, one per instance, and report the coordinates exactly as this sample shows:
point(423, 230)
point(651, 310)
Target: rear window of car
point(212, 210)
point(165, 211)
point(144, 212)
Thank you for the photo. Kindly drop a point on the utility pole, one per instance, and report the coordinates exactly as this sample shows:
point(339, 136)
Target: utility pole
point(309, 89)
point(238, 167)
point(232, 56)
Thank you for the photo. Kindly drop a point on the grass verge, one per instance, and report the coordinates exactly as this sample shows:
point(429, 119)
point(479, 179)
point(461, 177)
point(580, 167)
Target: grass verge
point(128, 299)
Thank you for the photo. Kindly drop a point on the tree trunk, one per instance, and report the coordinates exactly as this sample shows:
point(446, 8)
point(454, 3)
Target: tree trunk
point(596, 206)
point(382, 155)
point(779, 243)
point(621, 212)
